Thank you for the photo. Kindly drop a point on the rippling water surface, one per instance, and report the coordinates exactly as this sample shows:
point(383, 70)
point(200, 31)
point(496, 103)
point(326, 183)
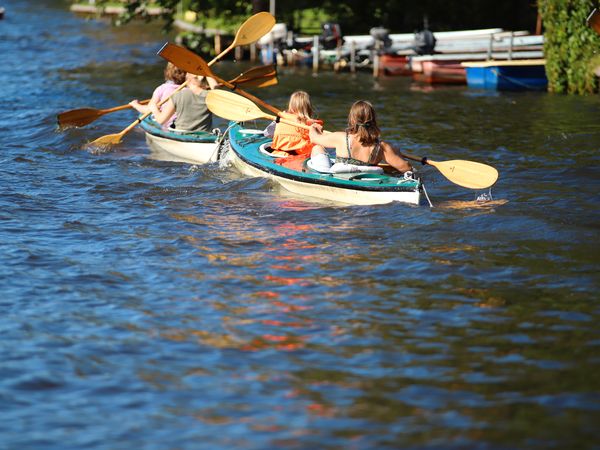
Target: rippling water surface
point(152, 304)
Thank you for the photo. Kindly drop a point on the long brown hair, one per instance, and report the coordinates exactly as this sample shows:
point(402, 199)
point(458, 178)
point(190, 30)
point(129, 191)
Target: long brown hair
point(362, 122)
point(174, 74)
point(300, 105)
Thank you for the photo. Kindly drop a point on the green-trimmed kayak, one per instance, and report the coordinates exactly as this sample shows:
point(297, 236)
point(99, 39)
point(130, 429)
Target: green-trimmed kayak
point(248, 152)
point(197, 147)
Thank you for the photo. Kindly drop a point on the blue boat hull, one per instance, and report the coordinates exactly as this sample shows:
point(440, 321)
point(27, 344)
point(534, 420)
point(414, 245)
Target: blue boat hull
point(508, 78)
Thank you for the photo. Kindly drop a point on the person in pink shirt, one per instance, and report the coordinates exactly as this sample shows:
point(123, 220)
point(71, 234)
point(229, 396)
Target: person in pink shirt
point(174, 77)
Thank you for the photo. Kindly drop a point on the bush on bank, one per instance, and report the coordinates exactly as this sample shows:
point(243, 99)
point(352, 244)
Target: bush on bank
point(570, 46)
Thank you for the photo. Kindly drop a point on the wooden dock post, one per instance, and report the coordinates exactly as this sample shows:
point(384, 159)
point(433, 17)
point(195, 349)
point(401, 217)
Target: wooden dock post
point(253, 52)
point(352, 56)
point(510, 47)
point(238, 53)
point(315, 52)
point(217, 43)
point(376, 58)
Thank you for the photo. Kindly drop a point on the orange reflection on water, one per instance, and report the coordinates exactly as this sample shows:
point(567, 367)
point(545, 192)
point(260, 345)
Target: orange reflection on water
point(285, 343)
point(287, 281)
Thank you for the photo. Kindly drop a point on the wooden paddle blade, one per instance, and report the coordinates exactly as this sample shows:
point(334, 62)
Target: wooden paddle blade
point(253, 29)
point(231, 106)
point(469, 174)
point(260, 77)
point(185, 59)
point(83, 116)
point(78, 117)
point(261, 82)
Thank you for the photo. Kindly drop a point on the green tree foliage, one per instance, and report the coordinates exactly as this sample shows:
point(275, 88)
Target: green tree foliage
point(570, 46)
point(358, 16)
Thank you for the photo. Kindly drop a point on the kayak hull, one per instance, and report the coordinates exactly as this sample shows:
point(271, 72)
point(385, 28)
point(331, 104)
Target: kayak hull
point(245, 154)
point(194, 148)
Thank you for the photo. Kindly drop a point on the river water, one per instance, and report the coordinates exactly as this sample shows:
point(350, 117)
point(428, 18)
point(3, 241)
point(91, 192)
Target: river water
point(158, 305)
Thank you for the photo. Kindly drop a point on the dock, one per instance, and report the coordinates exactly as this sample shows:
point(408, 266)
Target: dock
point(92, 8)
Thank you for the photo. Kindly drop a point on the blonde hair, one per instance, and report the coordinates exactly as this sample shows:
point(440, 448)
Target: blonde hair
point(301, 106)
point(174, 73)
point(362, 122)
point(198, 80)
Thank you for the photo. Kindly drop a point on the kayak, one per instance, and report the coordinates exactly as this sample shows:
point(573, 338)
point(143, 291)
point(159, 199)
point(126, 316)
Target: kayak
point(248, 150)
point(169, 144)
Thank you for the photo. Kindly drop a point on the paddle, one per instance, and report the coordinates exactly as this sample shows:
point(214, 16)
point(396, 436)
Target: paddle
point(232, 106)
point(192, 63)
point(593, 20)
point(261, 76)
point(469, 174)
point(250, 31)
point(84, 116)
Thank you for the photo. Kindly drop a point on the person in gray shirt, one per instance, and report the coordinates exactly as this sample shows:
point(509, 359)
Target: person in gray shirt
point(190, 105)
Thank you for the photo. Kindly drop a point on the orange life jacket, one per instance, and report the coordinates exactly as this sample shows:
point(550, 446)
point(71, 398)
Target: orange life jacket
point(289, 138)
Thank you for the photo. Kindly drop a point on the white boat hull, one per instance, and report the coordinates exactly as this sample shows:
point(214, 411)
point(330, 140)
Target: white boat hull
point(331, 193)
point(180, 151)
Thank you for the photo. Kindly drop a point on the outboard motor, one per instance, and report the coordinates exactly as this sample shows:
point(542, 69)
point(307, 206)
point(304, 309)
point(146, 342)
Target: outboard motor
point(382, 35)
point(331, 36)
point(424, 42)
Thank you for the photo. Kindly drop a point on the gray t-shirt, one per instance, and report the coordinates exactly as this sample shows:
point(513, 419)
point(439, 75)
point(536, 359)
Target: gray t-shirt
point(192, 112)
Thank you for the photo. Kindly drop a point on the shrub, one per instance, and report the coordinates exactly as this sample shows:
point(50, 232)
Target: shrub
point(570, 46)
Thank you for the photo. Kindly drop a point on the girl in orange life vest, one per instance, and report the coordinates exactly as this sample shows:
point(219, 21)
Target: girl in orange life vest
point(291, 139)
point(359, 144)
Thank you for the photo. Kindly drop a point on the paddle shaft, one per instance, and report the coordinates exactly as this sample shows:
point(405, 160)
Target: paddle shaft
point(143, 116)
point(84, 116)
point(245, 35)
point(188, 60)
point(119, 108)
point(184, 84)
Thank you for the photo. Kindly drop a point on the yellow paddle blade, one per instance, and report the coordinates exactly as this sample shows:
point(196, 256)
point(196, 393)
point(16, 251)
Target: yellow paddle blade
point(231, 106)
point(469, 174)
point(107, 141)
point(253, 29)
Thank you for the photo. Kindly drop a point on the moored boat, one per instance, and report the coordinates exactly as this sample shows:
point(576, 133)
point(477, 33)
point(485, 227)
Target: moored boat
point(191, 147)
point(250, 154)
point(515, 75)
point(449, 68)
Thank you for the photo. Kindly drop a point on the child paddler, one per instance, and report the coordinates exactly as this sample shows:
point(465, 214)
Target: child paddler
point(294, 141)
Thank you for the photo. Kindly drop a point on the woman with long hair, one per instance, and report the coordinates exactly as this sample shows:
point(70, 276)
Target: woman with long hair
point(358, 145)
